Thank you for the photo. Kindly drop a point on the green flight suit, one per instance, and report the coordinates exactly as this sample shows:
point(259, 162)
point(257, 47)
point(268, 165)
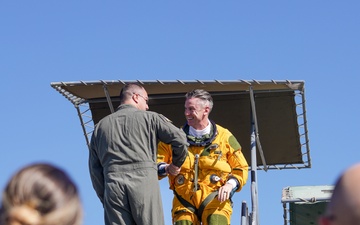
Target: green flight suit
point(122, 164)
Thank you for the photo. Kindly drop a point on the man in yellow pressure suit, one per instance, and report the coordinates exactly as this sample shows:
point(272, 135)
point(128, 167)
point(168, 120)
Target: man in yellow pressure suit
point(213, 171)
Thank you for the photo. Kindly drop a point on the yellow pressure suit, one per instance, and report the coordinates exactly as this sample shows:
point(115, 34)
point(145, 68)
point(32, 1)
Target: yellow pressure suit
point(210, 163)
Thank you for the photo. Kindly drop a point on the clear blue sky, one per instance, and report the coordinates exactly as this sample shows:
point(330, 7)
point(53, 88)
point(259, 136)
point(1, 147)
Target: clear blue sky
point(50, 41)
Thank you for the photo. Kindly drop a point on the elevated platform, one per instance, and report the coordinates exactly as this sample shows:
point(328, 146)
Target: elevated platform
point(267, 117)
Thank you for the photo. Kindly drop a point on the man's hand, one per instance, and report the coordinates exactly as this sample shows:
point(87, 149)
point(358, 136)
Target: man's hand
point(224, 192)
point(172, 169)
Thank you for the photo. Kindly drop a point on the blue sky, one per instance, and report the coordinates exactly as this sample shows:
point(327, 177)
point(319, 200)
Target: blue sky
point(51, 41)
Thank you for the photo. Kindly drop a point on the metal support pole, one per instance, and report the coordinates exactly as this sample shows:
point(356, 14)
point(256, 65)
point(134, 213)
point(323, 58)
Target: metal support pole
point(108, 98)
point(254, 191)
point(254, 187)
point(244, 214)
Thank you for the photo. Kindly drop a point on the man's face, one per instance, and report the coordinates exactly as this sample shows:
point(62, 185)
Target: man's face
point(196, 113)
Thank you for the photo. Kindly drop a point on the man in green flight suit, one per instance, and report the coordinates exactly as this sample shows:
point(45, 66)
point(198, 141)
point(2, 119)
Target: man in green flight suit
point(122, 159)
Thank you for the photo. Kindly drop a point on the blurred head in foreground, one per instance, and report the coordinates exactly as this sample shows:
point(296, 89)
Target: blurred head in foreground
point(344, 205)
point(40, 194)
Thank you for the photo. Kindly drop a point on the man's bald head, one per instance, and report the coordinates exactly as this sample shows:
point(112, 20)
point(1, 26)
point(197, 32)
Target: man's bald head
point(344, 206)
point(134, 94)
point(128, 91)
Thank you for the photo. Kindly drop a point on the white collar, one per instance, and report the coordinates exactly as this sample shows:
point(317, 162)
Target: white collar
point(200, 133)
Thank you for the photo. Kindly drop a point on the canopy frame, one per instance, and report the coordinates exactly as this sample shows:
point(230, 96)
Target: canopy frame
point(85, 95)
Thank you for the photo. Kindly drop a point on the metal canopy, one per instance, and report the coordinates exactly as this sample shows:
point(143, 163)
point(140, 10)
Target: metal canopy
point(280, 111)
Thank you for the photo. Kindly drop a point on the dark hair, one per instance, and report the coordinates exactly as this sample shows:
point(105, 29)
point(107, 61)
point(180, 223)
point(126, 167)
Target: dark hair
point(202, 95)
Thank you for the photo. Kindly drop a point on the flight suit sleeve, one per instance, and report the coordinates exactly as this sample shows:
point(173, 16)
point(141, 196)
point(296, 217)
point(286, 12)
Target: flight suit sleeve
point(164, 156)
point(237, 162)
point(170, 134)
point(96, 171)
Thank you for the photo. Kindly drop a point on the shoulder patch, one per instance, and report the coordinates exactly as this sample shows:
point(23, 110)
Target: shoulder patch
point(234, 143)
point(165, 118)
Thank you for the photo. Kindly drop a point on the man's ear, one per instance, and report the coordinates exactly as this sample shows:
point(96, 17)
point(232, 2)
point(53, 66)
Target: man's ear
point(135, 98)
point(207, 110)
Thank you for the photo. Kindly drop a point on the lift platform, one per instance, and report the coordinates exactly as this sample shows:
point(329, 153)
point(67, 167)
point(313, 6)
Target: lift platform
point(267, 117)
